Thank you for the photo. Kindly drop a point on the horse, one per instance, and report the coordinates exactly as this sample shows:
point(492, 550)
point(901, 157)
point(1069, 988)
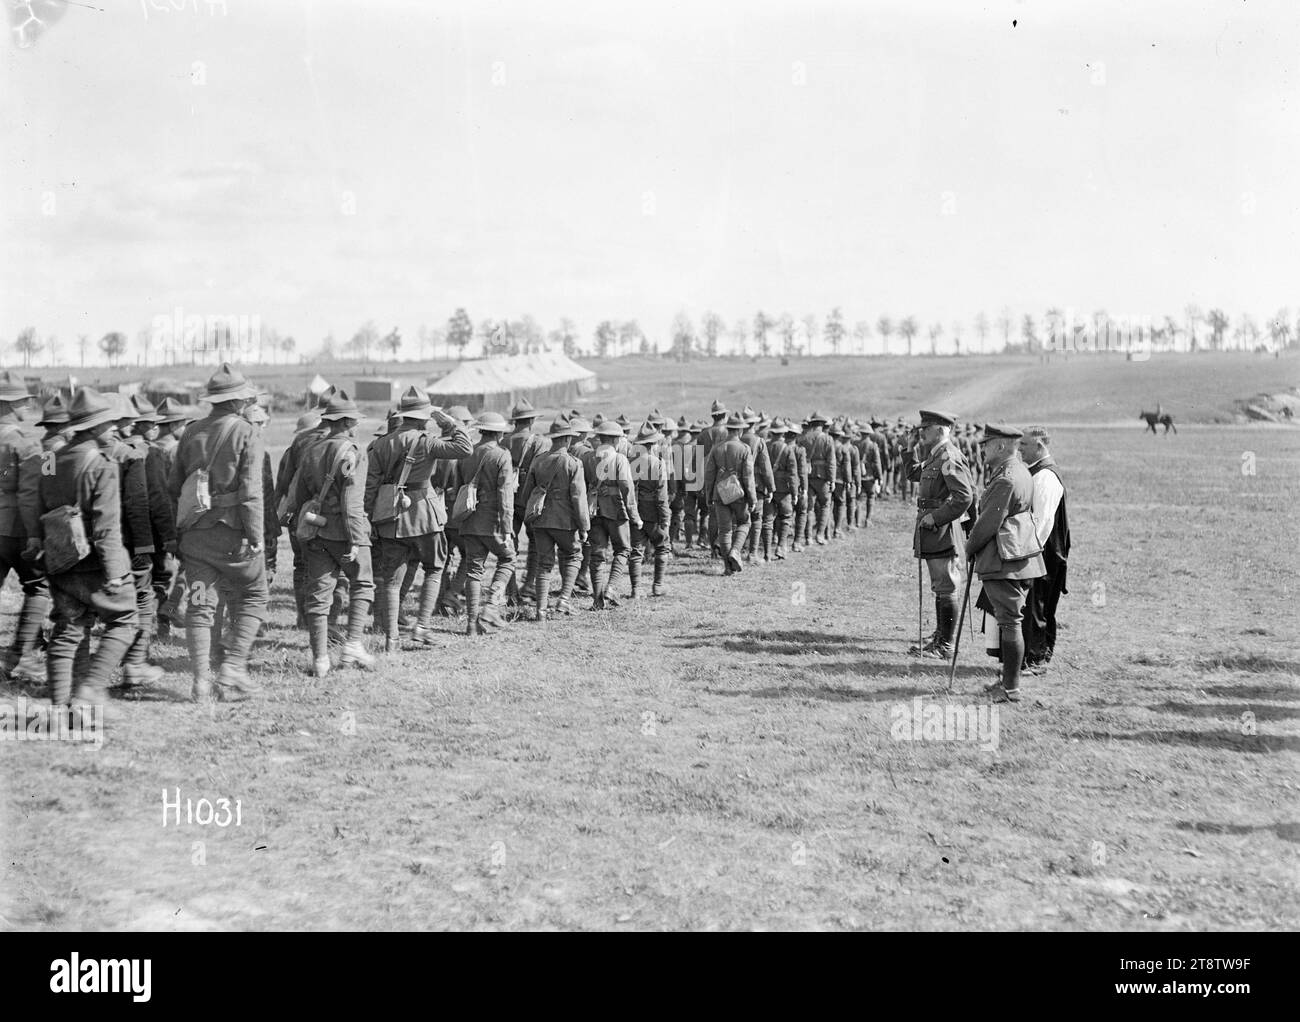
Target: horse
point(1163, 418)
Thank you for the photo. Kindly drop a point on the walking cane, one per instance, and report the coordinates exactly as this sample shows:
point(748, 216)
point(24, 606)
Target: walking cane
point(965, 602)
point(920, 638)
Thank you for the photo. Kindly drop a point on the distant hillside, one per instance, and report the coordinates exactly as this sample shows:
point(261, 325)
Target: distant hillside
point(1086, 388)
point(1204, 388)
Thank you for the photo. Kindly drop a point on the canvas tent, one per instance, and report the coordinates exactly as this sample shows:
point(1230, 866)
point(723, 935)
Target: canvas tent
point(494, 384)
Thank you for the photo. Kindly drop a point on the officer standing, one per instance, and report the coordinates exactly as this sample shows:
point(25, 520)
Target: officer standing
point(1053, 526)
point(1005, 551)
point(20, 470)
point(564, 520)
point(615, 513)
point(412, 528)
point(651, 480)
point(84, 481)
point(221, 546)
point(942, 501)
point(729, 482)
point(332, 479)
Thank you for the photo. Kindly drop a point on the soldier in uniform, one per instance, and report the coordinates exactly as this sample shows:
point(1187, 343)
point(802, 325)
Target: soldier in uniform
point(943, 499)
point(783, 452)
point(615, 513)
point(1004, 550)
point(564, 520)
point(333, 473)
point(762, 514)
point(446, 477)
point(172, 417)
point(697, 509)
point(843, 479)
point(20, 471)
point(407, 459)
point(145, 525)
point(99, 586)
point(1053, 527)
point(651, 479)
point(800, 436)
point(822, 475)
point(678, 456)
point(709, 436)
point(222, 547)
point(730, 465)
point(878, 437)
point(584, 449)
point(310, 430)
point(872, 473)
point(489, 529)
point(524, 445)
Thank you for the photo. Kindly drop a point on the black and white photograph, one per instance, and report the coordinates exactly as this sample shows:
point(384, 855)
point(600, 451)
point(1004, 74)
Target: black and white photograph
point(684, 467)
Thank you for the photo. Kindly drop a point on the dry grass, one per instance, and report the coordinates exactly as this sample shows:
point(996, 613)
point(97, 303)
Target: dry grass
point(722, 759)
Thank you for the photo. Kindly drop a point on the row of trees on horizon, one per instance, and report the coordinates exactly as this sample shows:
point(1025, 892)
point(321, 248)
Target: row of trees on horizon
point(245, 339)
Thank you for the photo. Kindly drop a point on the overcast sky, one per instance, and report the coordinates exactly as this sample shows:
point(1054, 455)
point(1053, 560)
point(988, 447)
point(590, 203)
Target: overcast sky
point(319, 164)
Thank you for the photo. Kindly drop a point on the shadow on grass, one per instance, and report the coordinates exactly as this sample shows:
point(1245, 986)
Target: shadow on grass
point(779, 643)
point(1273, 693)
point(1250, 662)
point(1228, 711)
point(1286, 831)
point(1228, 741)
point(830, 693)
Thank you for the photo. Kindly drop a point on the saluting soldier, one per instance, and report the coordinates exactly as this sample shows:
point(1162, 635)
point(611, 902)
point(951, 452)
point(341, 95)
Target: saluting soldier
point(489, 529)
point(332, 478)
point(446, 477)
point(20, 470)
point(564, 519)
point(222, 547)
point(524, 445)
point(651, 476)
point(98, 586)
point(944, 497)
point(1004, 550)
point(411, 530)
point(143, 523)
point(615, 514)
point(729, 481)
point(761, 515)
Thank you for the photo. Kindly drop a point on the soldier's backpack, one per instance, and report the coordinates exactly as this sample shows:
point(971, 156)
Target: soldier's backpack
point(66, 544)
point(391, 500)
point(196, 497)
point(728, 489)
point(466, 501)
point(310, 519)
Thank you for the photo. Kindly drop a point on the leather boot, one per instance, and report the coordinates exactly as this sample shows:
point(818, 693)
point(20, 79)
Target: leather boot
point(1013, 652)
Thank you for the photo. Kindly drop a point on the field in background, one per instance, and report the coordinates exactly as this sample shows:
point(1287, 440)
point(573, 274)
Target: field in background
point(723, 758)
point(1080, 389)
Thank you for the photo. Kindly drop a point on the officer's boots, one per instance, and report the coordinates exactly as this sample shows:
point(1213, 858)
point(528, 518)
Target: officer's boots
point(933, 638)
point(946, 612)
point(1007, 688)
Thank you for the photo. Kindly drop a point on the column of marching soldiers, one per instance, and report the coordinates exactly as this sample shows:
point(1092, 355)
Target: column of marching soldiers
point(122, 514)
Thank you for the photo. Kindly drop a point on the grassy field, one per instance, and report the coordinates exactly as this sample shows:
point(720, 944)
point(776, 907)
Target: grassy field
point(723, 758)
point(1079, 389)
